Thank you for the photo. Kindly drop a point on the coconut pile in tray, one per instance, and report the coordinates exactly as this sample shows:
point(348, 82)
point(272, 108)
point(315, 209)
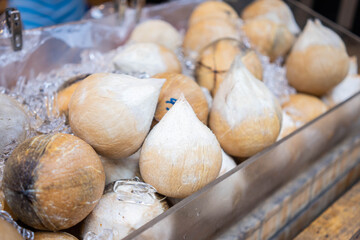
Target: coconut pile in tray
point(160, 117)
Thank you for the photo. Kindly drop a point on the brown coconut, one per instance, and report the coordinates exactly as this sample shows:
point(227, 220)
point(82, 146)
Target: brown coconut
point(213, 9)
point(8, 231)
point(318, 61)
point(52, 182)
point(54, 236)
point(204, 32)
point(215, 60)
point(245, 116)
point(269, 38)
point(302, 108)
point(175, 85)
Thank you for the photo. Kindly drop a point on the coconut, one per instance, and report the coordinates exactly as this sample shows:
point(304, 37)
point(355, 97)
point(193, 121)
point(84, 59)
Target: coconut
point(204, 32)
point(215, 60)
point(8, 231)
point(318, 61)
point(157, 31)
point(180, 155)
point(302, 108)
point(213, 9)
point(245, 117)
point(175, 85)
point(269, 38)
point(346, 88)
point(113, 112)
point(52, 182)
point(125, 168)
point(274, 10)
point(54, 236)
point(150, 58)
point(124, 208)
point(14, 123)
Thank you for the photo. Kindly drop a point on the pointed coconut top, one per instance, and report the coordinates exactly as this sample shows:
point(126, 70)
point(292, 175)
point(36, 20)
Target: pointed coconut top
point(241, 96)
point(176, 125)
point(317, 34)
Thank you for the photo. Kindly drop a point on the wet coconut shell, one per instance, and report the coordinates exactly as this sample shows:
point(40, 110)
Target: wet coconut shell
point(52, 182)
point(175, 85)
point(318, 61)
point(8, 231)
point(215, 60)
point(303, 108)
point(213, 9)
point(54, 236)
point(205, 32)
point(269, 38)
point(274, 10)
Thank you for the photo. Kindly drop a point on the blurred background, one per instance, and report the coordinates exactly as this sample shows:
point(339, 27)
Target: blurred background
point(343, 12)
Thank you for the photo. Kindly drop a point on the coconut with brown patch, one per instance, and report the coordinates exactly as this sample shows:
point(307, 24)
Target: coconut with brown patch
point(52, 182)
point(113, 112)
point(175, 85)
point(204, 32)
point(180, 155)
point(274, 10)
point(302, 108)
point(269, 38)
point(213, 9)
point(245, 117)
point(150, 58)
point(215, 60)
point(54, 236)
point(318, 60)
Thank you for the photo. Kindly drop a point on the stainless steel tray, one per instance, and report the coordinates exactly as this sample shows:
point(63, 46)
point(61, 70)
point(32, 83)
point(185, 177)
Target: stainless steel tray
point(233, 195)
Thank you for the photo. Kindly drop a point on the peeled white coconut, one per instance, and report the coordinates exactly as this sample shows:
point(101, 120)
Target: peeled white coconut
point(113, 112)
point(150, 58)
point(157, 31)
point(180, 155)
point(125, 168)
point(124, 208)
point(245, 117)
point(318, 60)
point(345, 89)
point(274, 10)
point(14, 123)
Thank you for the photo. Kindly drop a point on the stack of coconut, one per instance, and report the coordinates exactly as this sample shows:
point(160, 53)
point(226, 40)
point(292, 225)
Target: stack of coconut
point(164, 129)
